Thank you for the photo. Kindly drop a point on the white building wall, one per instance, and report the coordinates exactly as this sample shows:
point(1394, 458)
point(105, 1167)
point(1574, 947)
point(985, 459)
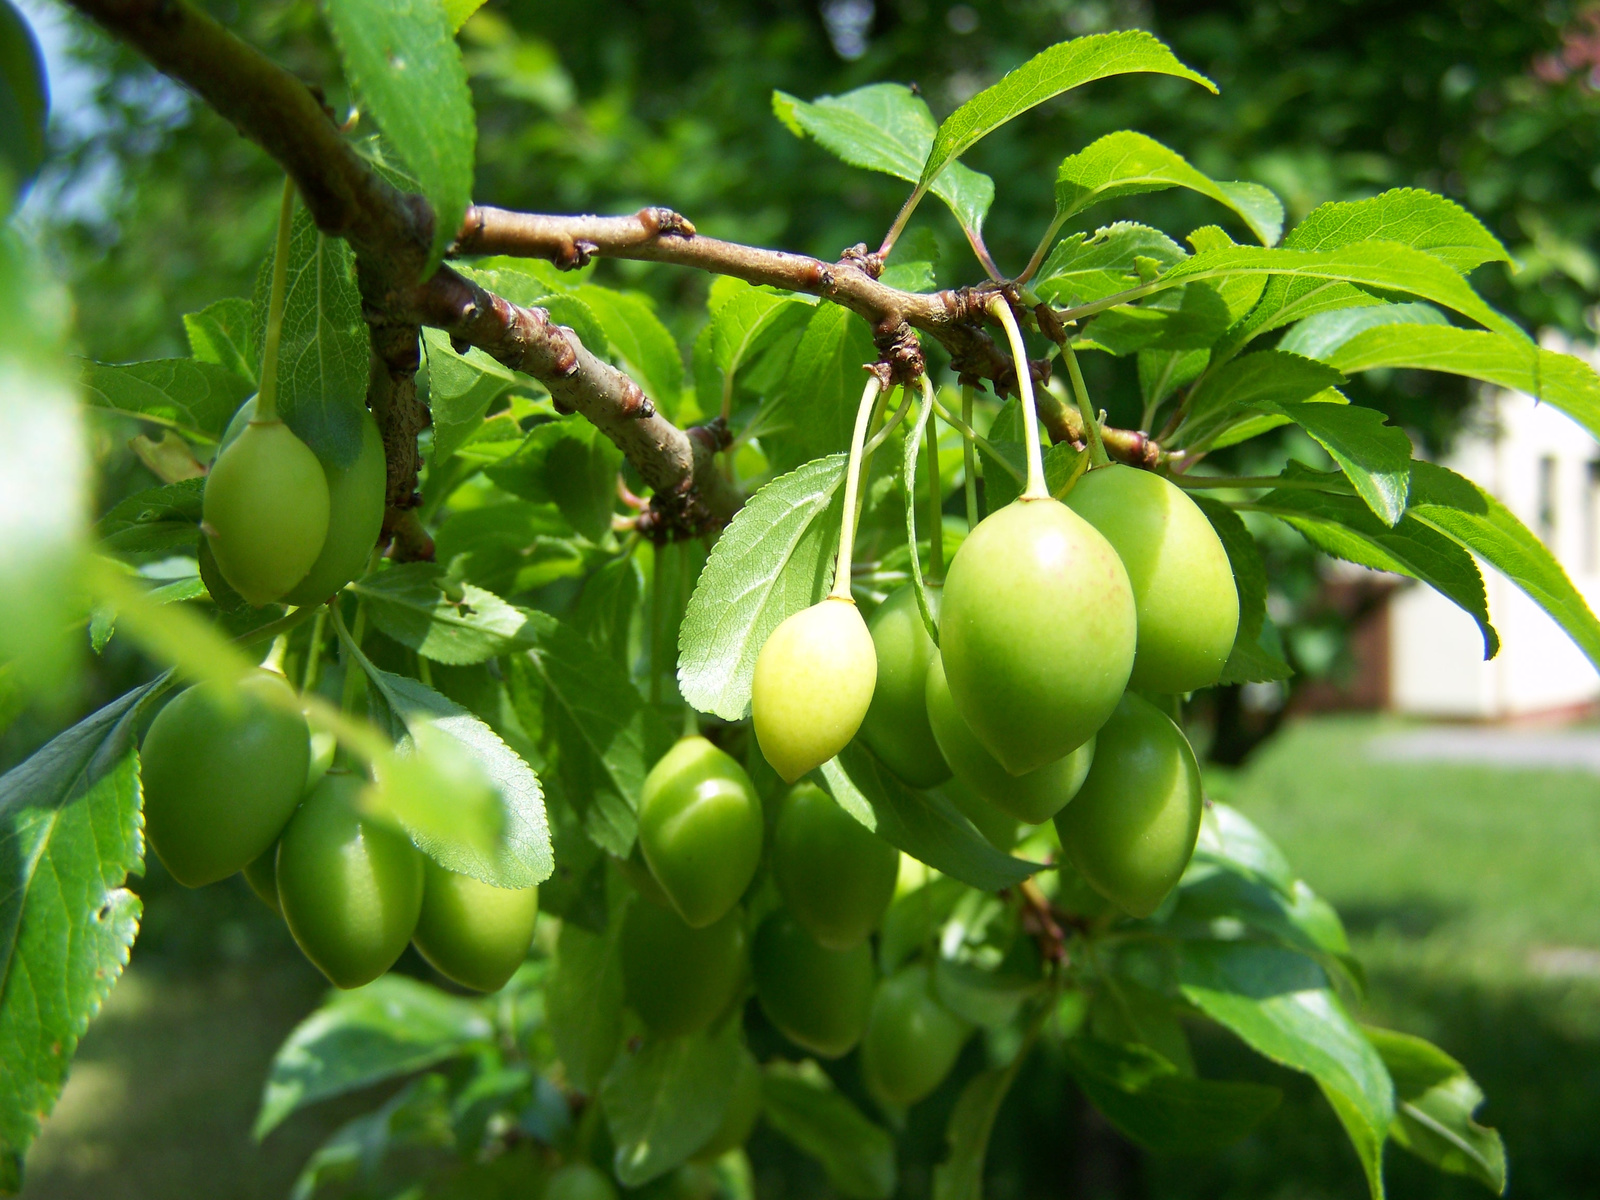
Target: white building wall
point(1546, 469)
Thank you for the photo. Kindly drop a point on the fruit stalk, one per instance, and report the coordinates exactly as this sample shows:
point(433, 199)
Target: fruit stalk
point(267, 397)
point(1097, 449)
point(969, 456)
point(852, 487)
point(1035, 488)
point(935, 489)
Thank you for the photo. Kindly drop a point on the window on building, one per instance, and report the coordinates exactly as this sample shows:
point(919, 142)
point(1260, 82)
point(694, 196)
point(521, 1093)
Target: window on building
point(1591, 517)
point(1547, 498)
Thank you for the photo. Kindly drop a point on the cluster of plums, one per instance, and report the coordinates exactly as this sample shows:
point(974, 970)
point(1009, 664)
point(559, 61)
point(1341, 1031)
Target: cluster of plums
point(1058, 623)
point(234, 781)
point(688, 950)
point(283, 524)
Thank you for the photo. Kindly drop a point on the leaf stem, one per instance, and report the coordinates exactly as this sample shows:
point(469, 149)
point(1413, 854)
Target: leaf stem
point(852, 488)
point(904, 215)
point(354, 676)
point(1097, 448)
point(314, 649)
point(877, 439)
point(935, 491)
point(1035, 488)
point(969, 454)
point(267, 396)
point(1202, 482)
point(1042, 249)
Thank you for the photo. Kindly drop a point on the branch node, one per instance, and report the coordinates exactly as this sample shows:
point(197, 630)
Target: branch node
point(869, 261)
point(664, 222)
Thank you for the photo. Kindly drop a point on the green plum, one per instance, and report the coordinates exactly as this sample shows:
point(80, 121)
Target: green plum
point(1037, 632)
point(813, 684)
point(261, 873)
point(912, 1040)
point(1182, 582)
point(579, 1181)
point(744, 1110)
point(471, 932)
point(678, 979)
point(637, 872)
point(1133, 826)
point(1032, 797)
point(265, 511)
point(700, 828)
point(818, 998)
point(896, 725)
point(836, 876)
point(1001, 830)
point(351, 889)
point(222, 774)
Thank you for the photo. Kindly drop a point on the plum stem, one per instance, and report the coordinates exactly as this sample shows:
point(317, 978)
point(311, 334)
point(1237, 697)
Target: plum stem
point(852, 487)
point(969, 456)
point(1091, 427)
point(267, 396)
point(1035, 488)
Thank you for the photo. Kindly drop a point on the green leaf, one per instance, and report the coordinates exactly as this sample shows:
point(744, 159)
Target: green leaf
point(887, 127)
point(641, 345)
point(1216, 900)
point(802, 1104)
point(1320, 336)
point(1250, 661)
point(1062, 67)
point(1228, 837)
point(408, 603)
point(1189, 318)
point(1128, 164)
point(510, 548)
point(1471, 517)
point(540, 285)
point(1435, 1099)
point(103, 621)
point(324, 349)
point(816, 410)
point(457, 11)
point(747, 324)
point(24, 106)
point(605, 611)
point(925, 825)
point(224, 333)
point(1258, 661)
point(583, 1003)
point(607, 737)
point(1345, 528)
point(1374, 455)
point(69, 836)
point(393, 1026)
point(1002, 486)
point(402, 60)
point(460, 389)
point(416, 1116)
point(1262, 380)
point(774, 559)
point(665, 1100)
point(1279, 1003)
point(571, 463)
point(1561, 380)
point(157, 519)
point(960, 1175)
point(1409, 216)
point(195, 398)
point(1084, 267)
point(1156, 1105)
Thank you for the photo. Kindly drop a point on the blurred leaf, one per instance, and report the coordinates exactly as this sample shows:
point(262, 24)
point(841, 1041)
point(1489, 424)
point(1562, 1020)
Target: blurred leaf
point(540, 285)
point(391, 1027)
point(1128, 164)
point(665, 1100)
point(1155, 1105)
point(1279, 1003)
point(1063, 66)
point(157, 519)
point(801, 1103)
point(24, 106)
point(69, 836)
point(887, 127)
point(1321, 336)
point(460, 389)
point(223, 333)
point(195, 398)
point(645, 347)
point(1085, 267)
point(103, 623)
point(774, 559)
point(402, 60)
point(583, 1003)
point(457, 11)
point(418, 1114)
point(960, 1175)
point(1435, 1099)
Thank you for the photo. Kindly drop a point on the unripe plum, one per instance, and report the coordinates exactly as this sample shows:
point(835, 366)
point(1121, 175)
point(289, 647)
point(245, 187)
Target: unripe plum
point(1037, 632)
point(579, 1181)
point(1182, 582)
point(351, 889)
point(896, 724)
point(912, 1040)
point(818, 998)
point(221, 776)
point(1030, 798)
point(1133, 826)
point(471, 932)
point(265, 511)
point(356, 493)
point(836, 875)
point(261, 873)
point(676, 978)
point(813, 683)
point(700, 828)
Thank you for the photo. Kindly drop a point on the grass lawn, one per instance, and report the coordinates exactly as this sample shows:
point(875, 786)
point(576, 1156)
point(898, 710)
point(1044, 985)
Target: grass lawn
point(1472, 895)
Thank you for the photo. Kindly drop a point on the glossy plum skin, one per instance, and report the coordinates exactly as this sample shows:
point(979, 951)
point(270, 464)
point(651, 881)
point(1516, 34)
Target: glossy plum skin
point(835, 875)
point(896, 725)
point(471, 932)
point(1182, 582)
point(912, 1040)
point(261, 873)
point(1030, 798)
point(351, 889)
point(220, 783)
point(1037, 632)
point(813, 683)
point(1132, 829)
point(700, 829)
point(355, 517)
point(676, 978)
point(265, 511)
point(818, 998)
